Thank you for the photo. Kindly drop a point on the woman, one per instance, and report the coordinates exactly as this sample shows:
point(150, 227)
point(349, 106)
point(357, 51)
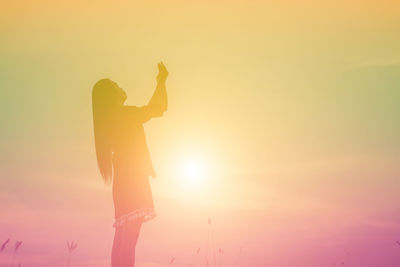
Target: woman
point(123, 159)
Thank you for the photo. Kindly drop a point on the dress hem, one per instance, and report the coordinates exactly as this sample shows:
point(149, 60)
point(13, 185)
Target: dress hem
point(146, 214)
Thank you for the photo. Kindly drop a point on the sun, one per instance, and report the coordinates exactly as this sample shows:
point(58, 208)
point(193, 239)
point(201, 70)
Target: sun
point(193, 175)
point(192, 172)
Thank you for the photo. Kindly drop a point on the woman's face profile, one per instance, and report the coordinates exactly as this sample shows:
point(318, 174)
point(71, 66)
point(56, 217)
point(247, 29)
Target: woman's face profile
point(120, 93)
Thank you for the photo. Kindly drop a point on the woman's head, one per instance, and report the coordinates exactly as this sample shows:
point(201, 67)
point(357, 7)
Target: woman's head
point(107, 92)
point(106, 97)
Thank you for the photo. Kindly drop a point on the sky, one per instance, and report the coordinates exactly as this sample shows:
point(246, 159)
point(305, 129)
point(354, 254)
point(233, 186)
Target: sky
point(289, 111)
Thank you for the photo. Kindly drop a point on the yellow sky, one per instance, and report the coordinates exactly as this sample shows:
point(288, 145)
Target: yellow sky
point(253, 85)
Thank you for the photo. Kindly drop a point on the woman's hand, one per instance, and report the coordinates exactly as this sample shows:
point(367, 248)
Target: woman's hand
point(162, 73)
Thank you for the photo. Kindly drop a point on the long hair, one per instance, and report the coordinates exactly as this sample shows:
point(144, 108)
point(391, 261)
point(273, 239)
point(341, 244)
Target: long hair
point(104, 100)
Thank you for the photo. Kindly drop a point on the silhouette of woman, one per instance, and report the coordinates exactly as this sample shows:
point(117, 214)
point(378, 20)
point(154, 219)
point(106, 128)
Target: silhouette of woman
point(123, 158)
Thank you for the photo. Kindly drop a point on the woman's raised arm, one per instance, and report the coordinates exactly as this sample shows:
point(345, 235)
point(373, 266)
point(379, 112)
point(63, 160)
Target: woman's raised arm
point(158, 103)
point(159, 100)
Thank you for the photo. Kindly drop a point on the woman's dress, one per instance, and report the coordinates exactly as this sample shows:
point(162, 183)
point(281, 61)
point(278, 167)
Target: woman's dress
point(132, 165)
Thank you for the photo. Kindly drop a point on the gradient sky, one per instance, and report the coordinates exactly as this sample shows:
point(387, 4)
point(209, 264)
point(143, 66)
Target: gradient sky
point(292, 107)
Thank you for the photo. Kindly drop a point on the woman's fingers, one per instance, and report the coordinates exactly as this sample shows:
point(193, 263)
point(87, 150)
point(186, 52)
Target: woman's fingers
point(163, 67)
point(162, 70)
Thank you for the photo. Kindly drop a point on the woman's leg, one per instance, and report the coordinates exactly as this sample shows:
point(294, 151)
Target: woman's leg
point(130, 237)
point(116, 253)
point(116, 248)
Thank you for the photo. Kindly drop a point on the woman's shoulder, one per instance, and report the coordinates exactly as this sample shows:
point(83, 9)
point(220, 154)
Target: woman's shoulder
point(128, 118)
